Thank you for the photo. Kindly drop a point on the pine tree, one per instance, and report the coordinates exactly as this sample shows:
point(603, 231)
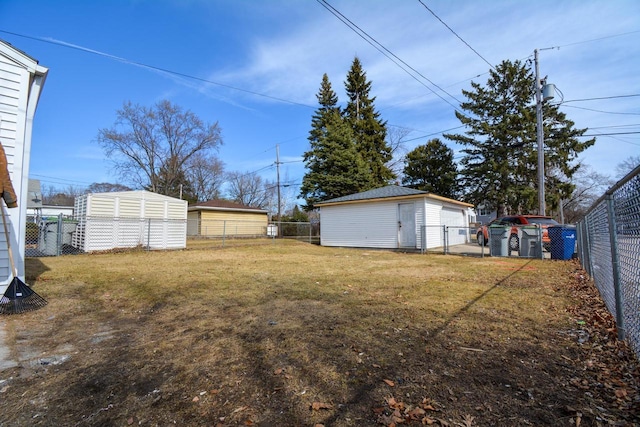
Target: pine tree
point(369, 129)
point(431, 168)
point(499, 167)
point(334, 166)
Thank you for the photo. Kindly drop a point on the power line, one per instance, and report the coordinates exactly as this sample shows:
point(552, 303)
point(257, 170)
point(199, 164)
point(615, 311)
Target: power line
point(373, 42)
point(601, 111)
point(613, 133)
point(603, 97)
point(60, 180)
point(456, 34)
point(616, 126)
point(151, 67)
point(593, 40)
point(434, 133)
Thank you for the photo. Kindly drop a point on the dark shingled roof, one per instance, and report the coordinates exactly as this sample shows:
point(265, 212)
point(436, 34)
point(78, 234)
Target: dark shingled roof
point(377, 193)
point(225, 204)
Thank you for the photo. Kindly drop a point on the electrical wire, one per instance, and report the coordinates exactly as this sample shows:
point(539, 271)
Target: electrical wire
point(386, 52)
point(600, 111)
point(602, 97)
point(152, 67)
point(592, 40)
point(456, 34)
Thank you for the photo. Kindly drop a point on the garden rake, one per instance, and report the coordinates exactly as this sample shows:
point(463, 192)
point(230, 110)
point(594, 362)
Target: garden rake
point(19, 297)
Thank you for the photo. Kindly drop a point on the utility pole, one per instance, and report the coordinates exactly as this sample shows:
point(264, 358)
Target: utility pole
point(278, 181)
point(540, 136)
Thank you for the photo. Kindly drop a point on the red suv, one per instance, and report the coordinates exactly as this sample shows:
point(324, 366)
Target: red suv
point(517, 221)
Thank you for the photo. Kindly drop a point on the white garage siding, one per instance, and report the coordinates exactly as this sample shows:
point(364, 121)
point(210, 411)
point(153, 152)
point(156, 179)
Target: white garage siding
point(363, 225)
point(371, 219)
point(455, 219)
point(433, 230)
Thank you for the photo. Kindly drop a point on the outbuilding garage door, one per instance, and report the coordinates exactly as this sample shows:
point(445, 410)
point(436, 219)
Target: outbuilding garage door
point(455, 220)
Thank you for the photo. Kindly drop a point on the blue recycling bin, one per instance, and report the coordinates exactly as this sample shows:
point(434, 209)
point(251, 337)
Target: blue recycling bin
point(563, 241)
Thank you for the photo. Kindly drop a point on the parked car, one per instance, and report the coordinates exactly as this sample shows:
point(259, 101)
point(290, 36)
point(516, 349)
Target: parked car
point(518, 221)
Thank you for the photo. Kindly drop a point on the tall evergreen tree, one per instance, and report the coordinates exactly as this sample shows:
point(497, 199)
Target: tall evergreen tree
point(334, 166)
point(499, 168)
point(430, 167)
point(369, 129)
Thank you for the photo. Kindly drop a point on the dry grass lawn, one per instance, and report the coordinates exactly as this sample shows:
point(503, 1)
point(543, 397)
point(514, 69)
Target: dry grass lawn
point(291, 334)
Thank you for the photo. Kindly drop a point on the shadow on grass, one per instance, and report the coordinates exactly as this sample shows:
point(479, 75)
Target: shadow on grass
point(474, 301)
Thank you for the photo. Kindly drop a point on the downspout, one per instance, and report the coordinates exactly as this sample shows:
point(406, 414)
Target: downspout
point(38, 77)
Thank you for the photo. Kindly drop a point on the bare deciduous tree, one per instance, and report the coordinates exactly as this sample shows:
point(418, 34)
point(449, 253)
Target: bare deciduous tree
point(55, 196)
point(395, 139)
point(106, 187)
point(249, 189)
point(589, 186)
point(150, 146)
point(627, 166)
point(206, 174)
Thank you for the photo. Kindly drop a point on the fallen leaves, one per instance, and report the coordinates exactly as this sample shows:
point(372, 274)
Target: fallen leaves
point(316, 406)
point(397, 412)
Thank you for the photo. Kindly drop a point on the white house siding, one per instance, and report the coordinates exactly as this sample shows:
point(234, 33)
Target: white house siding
point(12, 96)
point(366, 225)
point(21, 81)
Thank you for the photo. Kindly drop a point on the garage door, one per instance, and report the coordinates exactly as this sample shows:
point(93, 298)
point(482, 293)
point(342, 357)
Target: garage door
point(455, 220)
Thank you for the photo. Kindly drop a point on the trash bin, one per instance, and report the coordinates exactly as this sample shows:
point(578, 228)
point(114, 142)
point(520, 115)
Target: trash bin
point(499, 240)
point(530, 246)
point(563, 241)
point(53, 235)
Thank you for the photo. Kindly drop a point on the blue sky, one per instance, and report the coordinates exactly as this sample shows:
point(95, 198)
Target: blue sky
point(280, 49)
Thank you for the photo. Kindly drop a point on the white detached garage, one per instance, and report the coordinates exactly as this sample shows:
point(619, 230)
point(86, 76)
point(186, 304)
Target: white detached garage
point(128, 219)
point(393, 217)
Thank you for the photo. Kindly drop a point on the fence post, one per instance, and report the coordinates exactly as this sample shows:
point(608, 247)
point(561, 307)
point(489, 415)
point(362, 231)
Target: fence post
point(224, 231)
point(59, 236)
point(148, 234)
point(615, 264)
point(540, 244)
point(423, 239)
point(444, 238)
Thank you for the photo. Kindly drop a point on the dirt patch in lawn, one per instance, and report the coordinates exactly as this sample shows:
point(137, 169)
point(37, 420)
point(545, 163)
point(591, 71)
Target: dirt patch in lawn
point(291, 334)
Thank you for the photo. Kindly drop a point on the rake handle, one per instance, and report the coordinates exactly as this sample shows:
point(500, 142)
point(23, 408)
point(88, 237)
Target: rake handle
point(6, 233)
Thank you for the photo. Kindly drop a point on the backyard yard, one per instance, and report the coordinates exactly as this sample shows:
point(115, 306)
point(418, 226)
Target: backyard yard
point(284, 333)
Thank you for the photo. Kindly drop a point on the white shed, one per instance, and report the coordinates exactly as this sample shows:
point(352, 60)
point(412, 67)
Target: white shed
point(129, 219)
point(393, 217)
point(21, 81)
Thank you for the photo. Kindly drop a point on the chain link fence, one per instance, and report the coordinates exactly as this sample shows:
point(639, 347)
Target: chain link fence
point(65, 235)
point(501, 241)
point(609, 251)
point(225, 233)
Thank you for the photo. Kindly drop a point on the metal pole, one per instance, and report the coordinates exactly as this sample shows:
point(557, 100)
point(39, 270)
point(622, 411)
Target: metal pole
point(615, 264)
point(444, 238)
point(540, 137)
point(278, 178)
point(224, 231)
point(59, 229)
